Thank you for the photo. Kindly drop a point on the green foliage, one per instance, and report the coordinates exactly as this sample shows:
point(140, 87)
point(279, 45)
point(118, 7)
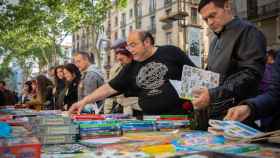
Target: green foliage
point(35, 28)
point(5, 71)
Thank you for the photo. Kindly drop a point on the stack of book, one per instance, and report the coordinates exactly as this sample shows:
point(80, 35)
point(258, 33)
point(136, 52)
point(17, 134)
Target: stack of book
point(138, 125)
point(54, 129)
point(99, 129)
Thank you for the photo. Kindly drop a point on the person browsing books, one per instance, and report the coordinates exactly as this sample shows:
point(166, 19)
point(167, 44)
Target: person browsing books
point(237, 53)
point(264, 105)
point(146, 77)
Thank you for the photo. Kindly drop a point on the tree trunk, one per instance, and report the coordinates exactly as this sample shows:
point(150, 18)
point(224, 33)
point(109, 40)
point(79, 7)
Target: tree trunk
point(44, 57)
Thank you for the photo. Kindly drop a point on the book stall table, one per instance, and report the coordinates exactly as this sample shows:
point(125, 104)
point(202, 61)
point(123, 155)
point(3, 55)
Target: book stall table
point(50, 134)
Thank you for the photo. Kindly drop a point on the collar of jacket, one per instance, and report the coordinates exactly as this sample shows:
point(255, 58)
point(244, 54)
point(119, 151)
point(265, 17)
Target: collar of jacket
point(84, 73)
point(234, 22)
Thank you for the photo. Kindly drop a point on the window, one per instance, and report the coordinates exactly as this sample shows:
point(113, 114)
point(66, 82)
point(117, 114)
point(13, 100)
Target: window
point(153, 23)
point(138, 23)
point(168, 38)
point(116, 35)
point(139, 9)
point(138, 14)
point(194, 15)
point(116, 21)
point(167, 3)
point(123, 22)
point(78, 46)
point(123, 34)
point(130, 13)
point(152, 6)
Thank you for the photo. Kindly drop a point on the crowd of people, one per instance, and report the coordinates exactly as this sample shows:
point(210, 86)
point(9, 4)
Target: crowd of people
point(249, 87)
point(59, 89)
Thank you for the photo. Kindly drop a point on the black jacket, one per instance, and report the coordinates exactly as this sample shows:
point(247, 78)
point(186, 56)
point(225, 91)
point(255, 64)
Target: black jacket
point(71, 95)
point(267, 104)
point(238, 55)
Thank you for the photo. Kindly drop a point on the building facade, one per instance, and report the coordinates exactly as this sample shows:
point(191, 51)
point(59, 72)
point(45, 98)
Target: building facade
point(170, 22)
point(265, 14)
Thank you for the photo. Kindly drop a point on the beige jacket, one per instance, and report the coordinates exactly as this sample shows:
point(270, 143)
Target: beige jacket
point(128, 103)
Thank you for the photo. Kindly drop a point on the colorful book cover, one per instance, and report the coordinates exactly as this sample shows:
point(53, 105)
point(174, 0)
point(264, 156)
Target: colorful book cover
point(193, 77)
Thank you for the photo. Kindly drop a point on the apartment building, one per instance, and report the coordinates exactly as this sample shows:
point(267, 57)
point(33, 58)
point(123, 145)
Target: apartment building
point(175, 22)
point(265, 14)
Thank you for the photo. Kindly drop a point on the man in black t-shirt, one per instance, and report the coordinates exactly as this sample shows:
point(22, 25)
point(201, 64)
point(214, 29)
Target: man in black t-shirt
point(147, 77)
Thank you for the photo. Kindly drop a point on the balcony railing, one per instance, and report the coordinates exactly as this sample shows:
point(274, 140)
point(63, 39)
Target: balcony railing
point(167, 26)
point(265, 11)
point(178, 14)
point(167, 3)
point(152, 10)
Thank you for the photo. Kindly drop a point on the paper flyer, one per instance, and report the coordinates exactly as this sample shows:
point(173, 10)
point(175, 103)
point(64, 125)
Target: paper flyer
point(193, 77)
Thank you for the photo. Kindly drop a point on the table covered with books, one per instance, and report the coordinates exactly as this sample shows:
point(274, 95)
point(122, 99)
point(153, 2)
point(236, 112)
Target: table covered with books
point(27, 133)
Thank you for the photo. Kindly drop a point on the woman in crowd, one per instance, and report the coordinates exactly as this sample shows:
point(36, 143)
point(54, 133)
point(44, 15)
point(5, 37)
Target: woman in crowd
point(262, 106)
point(59, 89)
point(43, 98)
point(26, 92)
point(128, 104)
point(267, 77)
point(72, 76)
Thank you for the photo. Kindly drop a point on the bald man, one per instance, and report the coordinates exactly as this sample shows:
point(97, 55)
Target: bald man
point(146, 77)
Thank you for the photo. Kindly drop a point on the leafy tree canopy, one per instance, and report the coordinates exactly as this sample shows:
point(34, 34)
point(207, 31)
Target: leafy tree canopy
point(36, 28)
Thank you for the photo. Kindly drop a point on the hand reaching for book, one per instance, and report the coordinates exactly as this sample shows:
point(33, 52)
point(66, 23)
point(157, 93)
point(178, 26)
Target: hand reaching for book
point(76, 107)
point(238, 113)
point(201, 98)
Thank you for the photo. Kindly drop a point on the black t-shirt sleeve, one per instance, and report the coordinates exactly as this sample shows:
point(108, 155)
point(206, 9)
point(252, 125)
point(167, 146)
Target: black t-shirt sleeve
point(183, 57)
point(178, 56)
point(121, 81)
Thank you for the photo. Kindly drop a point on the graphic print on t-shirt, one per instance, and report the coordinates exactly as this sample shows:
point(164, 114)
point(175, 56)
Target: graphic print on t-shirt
point(151, 77)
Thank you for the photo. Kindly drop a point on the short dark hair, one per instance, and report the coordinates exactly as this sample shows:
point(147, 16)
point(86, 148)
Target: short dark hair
point(272, 53)
point(218, 3)
point(73, 69)
point(124, 51)
point(29, 85)
point(86, 55)
point(3, 83)
point(146, 35)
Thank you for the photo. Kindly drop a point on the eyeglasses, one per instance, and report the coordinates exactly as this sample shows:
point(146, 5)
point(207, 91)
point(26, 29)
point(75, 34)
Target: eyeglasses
point(132, 45)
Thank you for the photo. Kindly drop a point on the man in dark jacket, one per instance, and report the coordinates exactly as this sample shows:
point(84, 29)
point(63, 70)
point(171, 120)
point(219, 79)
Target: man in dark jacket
point(264, 105)
point(237, 53)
